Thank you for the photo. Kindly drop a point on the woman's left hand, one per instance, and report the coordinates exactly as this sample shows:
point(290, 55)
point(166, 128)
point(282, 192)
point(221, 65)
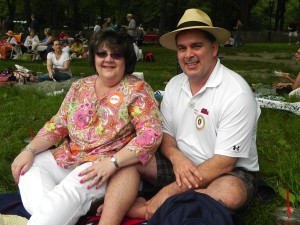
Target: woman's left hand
point(98, 173)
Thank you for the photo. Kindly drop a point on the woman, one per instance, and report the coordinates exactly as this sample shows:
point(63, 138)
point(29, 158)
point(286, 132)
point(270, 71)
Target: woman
point(43, 46)
point(294, 83)
point(107, 124)
point(31, 40)
point(58, 64)
point(9, 43)
point(77, 49)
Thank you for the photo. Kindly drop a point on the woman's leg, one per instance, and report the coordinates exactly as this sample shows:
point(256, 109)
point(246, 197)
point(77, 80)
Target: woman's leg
point(60, 76)
point(43, 77)
point(39, 180)
point(68, 201)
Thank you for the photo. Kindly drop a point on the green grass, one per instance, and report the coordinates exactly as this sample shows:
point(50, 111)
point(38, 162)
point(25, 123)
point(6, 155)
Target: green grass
point(278, 136)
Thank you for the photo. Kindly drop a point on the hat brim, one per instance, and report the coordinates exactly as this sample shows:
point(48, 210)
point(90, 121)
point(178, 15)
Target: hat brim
point(168, 40)
point(9, 34)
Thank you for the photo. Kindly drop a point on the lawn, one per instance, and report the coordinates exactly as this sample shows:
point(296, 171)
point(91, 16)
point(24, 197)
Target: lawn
point(278, 135)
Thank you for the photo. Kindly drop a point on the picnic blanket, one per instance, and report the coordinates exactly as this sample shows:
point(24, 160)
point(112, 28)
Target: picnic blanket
point(277, 102)
point(264, 101)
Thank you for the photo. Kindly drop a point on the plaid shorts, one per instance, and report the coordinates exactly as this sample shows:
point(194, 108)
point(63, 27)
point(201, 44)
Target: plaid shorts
point(165, 176)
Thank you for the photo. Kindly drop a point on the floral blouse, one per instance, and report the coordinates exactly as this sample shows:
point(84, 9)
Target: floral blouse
point(90, 129)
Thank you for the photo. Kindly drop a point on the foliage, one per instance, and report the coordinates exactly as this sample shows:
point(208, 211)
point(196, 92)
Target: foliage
point(79, 14)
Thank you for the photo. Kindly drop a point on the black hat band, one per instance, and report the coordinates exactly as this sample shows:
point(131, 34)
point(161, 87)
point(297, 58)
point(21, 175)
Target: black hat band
point(191, 24)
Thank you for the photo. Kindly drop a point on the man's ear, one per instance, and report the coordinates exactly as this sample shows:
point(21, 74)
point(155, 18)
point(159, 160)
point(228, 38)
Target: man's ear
point(215, 48)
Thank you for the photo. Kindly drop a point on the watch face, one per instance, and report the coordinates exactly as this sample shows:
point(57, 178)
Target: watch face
point(114, 161)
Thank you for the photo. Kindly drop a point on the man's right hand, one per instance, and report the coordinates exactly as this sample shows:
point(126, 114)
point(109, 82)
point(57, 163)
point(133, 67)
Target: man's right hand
point(185, 171)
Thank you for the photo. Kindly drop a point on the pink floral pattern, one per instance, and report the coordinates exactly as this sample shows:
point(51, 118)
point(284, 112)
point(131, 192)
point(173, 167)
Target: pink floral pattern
point(89, 129)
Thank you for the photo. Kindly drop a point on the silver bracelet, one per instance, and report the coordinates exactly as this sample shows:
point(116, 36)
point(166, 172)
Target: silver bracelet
point(29, 149)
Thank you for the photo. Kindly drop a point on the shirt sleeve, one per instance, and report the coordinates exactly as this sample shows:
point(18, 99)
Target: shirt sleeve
point(56, 128)
point(237, 126)
point(146, 120)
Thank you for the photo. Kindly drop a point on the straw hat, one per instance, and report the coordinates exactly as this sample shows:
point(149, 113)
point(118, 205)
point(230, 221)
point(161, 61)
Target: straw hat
point(129, 15)
point(10, 33)
point(194, 19)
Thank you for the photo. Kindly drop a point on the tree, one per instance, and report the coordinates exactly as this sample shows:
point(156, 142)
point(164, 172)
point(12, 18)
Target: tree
point(27, 10)
point(75, 22)
point(279, 15)
point(11, 6)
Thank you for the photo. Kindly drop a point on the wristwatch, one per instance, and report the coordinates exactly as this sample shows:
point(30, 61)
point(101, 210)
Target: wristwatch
point(114, 161)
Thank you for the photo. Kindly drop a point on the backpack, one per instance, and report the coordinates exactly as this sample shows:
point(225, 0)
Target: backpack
point(149, 57)
point(11, 204)
point(7, 76)
point(193, 208)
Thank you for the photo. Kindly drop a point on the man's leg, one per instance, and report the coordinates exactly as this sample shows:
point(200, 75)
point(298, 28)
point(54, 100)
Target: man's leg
point(121, 192)
point(235, 190)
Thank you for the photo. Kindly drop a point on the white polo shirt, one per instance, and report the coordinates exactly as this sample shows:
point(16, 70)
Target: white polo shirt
point(220, 119)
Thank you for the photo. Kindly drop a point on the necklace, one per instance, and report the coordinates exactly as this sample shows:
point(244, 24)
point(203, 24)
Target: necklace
point(102, 90)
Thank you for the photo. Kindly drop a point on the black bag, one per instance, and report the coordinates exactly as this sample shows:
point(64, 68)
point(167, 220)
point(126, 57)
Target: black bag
point(193, 208)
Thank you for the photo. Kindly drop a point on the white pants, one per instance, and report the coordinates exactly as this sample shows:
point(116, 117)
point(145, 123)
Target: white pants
point(53, 195)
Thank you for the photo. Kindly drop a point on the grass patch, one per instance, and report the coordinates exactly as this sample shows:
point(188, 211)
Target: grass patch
point(277, 134)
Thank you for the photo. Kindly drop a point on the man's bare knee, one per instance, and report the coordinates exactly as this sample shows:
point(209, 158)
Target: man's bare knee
point(229, 190)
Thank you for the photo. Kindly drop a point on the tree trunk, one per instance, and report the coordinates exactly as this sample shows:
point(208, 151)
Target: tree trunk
point(163, 17)
point(279, 15)
point(11, 6)
point(75, 24)
point(27, 10)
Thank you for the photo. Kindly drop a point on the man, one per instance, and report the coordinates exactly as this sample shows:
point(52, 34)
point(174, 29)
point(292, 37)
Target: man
point(131, 28)
point(34, 24)
point(293, 31)
point(209, 124)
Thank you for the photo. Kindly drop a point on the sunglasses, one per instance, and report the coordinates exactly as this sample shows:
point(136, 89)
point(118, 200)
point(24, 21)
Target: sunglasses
point(104, 54)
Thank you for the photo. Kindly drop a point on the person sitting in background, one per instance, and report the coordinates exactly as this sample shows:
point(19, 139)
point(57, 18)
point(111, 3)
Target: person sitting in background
point(9, 43)
point(58, 64)
point(65, 46)
point(230, 42)
point(62, 35)
point(80, 35)
point(31, 40)
point(294, 83)
point(97, 27)
point(140, 35)
point(77, 49)
point(44, 45)
point(108, 124)
point(106, 24)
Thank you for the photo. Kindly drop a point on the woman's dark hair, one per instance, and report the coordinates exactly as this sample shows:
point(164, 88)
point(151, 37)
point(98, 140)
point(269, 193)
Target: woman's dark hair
point(116, 42)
